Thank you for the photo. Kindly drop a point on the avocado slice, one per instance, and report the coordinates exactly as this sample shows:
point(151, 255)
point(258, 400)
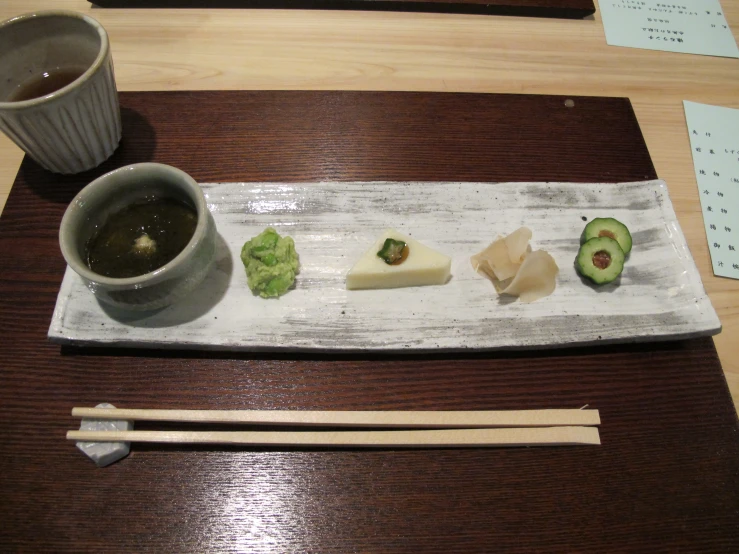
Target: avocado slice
point(608, 227)
point(600, 259)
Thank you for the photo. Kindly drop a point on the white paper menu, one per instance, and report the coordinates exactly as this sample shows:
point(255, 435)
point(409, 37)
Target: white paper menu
point(686, 26)
point(714, 141)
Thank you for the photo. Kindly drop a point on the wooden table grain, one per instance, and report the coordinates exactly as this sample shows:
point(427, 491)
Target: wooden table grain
point(569, 9)
point(670, 454)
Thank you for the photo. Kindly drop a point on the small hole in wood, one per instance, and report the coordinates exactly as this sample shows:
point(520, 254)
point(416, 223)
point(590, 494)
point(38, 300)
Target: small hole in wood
point(570, 103)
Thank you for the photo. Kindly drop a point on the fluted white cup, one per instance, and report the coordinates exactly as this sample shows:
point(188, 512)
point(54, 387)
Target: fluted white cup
point(78, 126)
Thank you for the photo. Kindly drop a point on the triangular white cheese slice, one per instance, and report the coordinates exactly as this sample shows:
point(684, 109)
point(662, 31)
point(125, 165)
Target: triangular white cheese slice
point(423, 266)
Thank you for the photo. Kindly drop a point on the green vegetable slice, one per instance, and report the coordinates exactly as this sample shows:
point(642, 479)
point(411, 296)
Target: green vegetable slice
point(608, 227)
point(393, 251)
point(601, 260)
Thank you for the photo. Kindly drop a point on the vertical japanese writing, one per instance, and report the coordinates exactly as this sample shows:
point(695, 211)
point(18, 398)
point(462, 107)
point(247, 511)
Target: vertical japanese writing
point(689, 26)
point(714, 141)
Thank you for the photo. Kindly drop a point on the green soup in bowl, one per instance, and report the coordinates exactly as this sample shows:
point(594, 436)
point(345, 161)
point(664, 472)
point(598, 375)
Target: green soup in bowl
point(141, 237)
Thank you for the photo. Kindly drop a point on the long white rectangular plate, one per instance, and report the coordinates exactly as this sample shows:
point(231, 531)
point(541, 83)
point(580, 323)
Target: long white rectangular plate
point(659, 295)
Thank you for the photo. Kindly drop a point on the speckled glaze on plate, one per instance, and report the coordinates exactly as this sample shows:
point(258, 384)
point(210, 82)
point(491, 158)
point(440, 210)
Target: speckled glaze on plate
point(659, 296)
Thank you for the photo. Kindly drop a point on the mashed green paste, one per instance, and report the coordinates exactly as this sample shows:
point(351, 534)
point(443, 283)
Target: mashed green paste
point(271, 263)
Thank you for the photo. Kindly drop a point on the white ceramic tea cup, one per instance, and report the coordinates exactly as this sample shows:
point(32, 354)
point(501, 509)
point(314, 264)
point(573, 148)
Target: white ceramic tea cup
point(77, 126)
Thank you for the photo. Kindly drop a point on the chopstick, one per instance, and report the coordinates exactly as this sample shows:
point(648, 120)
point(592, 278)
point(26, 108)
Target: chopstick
point(424, 429)
point(531, 436)
point(380, 419)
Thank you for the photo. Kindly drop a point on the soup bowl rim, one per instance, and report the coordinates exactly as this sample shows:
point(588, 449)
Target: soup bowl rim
point(107, 185)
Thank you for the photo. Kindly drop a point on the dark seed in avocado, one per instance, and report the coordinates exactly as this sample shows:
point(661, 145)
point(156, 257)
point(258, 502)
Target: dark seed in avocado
point(608, 227)
point(600, 259)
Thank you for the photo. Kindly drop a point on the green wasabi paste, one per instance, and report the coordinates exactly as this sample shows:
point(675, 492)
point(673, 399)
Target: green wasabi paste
point(271, 263)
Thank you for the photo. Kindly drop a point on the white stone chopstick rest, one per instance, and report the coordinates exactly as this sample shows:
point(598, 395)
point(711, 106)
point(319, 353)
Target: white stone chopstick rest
point(105, 453)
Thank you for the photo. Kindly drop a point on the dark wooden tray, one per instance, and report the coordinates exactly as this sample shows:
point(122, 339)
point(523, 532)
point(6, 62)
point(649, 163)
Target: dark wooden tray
point(666, 477)
point(567, 9)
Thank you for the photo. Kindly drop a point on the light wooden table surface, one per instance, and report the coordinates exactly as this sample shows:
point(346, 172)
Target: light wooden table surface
point(272, 49)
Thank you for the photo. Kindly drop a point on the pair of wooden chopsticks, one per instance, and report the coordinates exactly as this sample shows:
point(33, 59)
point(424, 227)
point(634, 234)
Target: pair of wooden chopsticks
point(421, 429)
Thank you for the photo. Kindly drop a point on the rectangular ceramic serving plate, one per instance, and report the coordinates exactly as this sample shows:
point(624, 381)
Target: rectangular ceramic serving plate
point(659, 296)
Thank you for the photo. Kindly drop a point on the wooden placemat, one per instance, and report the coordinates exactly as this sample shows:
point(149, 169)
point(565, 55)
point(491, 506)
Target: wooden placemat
point(568, 9)
point(665, 478)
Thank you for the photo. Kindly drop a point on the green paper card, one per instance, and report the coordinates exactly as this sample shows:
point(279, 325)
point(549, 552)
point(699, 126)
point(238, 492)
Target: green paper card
point(714, 141)
point(686, 26)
